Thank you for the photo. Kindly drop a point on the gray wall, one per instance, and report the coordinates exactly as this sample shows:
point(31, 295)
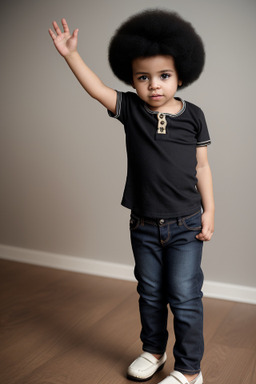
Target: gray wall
point(62, 160)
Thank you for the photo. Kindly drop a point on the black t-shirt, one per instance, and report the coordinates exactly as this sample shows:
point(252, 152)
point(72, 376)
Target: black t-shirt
point(161, 153)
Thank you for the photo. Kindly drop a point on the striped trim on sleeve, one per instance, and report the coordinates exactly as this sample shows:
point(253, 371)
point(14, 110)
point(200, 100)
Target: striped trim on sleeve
point(203, 143)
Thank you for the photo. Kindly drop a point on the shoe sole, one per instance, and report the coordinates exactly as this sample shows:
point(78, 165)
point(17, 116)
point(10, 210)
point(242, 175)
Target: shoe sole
point(134, 378)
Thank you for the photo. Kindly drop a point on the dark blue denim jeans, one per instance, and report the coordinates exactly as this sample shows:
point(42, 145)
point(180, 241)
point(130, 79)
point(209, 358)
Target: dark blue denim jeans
point(168, 269)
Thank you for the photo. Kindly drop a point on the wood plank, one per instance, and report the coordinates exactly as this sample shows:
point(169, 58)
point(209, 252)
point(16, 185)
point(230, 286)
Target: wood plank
point(45, 322)
point(227, 365)
point(239, 328)
point(60, 327)
point(215, 313)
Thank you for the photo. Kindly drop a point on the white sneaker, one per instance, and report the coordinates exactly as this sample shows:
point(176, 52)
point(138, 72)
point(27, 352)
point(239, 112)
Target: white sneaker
point(178, 378)
point(145, 366)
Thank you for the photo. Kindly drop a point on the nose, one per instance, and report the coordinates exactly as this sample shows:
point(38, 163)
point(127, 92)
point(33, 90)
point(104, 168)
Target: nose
point(153, 84)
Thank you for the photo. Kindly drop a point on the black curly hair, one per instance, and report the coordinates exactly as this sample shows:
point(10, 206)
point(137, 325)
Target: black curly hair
point(157, 32)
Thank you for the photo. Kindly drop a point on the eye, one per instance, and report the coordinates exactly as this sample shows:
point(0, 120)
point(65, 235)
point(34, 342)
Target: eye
point(143, 78)
point(165, 76)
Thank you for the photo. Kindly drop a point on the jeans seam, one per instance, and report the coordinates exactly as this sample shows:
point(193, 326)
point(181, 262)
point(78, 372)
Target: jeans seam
point(163, 242)
point(183, 220)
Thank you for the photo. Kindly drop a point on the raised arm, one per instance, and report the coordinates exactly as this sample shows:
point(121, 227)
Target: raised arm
point(66, 45)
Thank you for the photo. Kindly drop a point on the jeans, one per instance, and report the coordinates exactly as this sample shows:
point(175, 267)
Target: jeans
point(168, 270)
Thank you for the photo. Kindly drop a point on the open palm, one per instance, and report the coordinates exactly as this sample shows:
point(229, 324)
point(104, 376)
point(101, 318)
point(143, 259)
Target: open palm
point(64, 42)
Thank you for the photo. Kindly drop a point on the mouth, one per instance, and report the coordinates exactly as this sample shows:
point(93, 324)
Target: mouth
point(156, 97)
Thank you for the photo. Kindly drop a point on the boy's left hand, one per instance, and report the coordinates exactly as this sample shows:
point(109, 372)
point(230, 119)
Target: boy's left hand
point(207, 227)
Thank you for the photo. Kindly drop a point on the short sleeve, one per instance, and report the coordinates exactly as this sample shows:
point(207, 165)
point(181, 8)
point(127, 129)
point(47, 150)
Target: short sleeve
point(203, 137)
point(126, 105)
point(118, 106)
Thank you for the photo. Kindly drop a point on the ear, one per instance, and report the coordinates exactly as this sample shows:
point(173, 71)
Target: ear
point(180, 83)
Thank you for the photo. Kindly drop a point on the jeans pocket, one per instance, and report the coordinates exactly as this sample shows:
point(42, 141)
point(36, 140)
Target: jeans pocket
point(193, 222)
point(134, 222)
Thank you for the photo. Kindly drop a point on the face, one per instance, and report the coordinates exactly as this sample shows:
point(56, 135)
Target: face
point(156, 81)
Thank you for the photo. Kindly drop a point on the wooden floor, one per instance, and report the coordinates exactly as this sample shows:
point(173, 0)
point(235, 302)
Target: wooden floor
point(60, 327)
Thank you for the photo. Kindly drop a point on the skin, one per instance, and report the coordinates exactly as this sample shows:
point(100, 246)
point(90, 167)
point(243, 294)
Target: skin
point(66, 45)
point(155, 80)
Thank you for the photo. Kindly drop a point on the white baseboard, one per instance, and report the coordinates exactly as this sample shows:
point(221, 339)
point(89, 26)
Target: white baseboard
point(68, 263)
point(211, 289)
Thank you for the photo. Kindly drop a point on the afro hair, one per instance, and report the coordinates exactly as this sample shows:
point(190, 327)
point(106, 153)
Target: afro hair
point(157, 32)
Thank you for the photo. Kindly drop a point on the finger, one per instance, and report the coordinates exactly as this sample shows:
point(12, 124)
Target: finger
point(75, 33)
point(52, 34)
point(199, 237)
point(210, 236)
point(204, 236)
point(65, 25)
point(56, 27)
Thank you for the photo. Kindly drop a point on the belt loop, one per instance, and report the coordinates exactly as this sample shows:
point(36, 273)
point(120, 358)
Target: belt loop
point(142, 221)
point(179, 221)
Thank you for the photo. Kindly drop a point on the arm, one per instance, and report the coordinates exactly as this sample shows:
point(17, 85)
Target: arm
point(66, 45)
point(205, 189)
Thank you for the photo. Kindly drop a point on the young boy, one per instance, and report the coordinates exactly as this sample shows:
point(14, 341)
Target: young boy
point(169, 180)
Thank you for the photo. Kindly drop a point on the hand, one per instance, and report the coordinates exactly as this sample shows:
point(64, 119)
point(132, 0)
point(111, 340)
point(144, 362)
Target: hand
point(64, 42)
point(207, 227)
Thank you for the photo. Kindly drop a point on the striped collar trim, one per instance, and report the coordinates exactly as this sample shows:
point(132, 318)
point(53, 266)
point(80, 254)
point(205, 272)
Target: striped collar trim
point(169, 114)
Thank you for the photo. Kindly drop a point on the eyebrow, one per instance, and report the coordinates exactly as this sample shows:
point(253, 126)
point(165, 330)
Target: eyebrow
point(147, 73)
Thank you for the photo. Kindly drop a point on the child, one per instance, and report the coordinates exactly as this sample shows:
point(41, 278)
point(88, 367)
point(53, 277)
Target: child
point(168, 183)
